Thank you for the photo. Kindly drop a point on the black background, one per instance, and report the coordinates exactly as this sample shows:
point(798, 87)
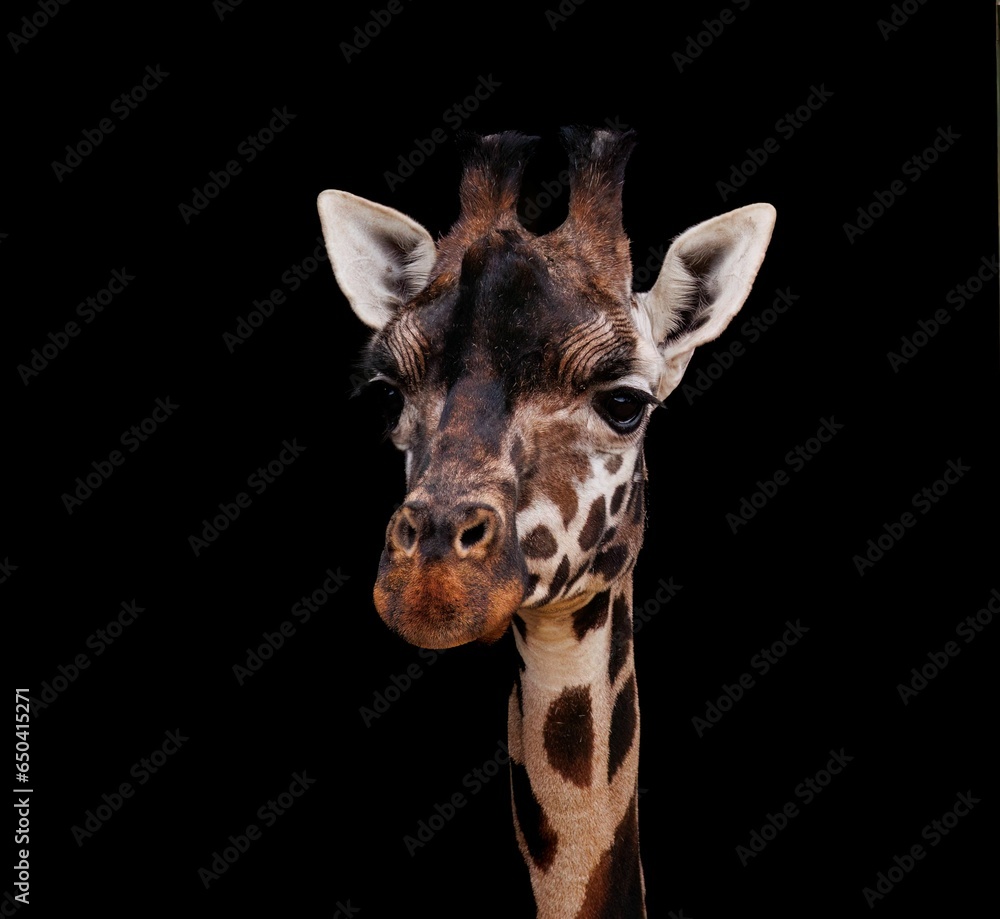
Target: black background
point(825, 357)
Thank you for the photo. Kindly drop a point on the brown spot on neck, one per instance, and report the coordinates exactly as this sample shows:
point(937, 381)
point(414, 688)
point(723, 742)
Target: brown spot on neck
point(621, 636)
point(624, 721)
point(614, 890)
point(540, 838)
point(569, 735)
point(592, 616)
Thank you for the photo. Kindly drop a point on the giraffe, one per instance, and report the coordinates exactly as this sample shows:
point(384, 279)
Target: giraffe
point(517, 373)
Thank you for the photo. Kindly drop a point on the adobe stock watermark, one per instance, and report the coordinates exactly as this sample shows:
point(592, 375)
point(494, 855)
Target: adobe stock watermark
point(533, 207)
point(647, 271)
point(268, 814)
point(666, 590)
point(910, 346)
point(968, 629)
point(552, 191)
point(99, 642)
point(475, 781)
point(302, 609)
point(223, 8)
point(259, 480)
point(123, 106)
point(396, 686)
point(806, 791)
point(698, 42)
point(796, 459)
point(925, 499)
point(133, 438)
point(88, 311)
point(22, 837)
point(701, 381)
point(900, 15)
point(561, 13)
point(7, 568)
point(292, 279)
point(364, 35)
point(142, 771)
point(786, 127)
point(248, 150)
point(913, 170)
point(935, 831)
point(45, 12)
point(762, 662)
point(454, 117)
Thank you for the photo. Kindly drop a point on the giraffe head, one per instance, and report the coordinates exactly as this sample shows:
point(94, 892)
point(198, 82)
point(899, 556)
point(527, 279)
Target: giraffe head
point(518, 373)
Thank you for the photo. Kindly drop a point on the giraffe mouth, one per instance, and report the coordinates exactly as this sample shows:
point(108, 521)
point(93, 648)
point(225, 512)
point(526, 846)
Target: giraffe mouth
point(443, 603)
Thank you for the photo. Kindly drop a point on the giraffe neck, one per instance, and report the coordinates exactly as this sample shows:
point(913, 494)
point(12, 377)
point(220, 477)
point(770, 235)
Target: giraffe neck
point(573, 732)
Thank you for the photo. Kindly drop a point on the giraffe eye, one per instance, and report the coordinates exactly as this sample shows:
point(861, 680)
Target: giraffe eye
point(623, 409)
point(390, 402)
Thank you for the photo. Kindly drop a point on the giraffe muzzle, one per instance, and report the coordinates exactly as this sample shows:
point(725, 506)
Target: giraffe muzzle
point(449, 574)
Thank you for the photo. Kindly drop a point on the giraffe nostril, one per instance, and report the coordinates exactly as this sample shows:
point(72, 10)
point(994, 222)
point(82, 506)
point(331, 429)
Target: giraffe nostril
point(473, 535)
point(405, 533)
point(458, 531)
point(476, 530)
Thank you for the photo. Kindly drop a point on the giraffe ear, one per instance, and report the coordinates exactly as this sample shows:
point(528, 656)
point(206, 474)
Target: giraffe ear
point(380, 257)
point(706, 276)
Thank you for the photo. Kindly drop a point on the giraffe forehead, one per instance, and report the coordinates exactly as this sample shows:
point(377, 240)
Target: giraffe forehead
point(507, 314)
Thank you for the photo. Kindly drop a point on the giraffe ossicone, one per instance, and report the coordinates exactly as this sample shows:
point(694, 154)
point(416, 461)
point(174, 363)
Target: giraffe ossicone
point(517, 373)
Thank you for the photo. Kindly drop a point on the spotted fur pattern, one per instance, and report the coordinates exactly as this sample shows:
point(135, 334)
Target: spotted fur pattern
point(519, 373)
